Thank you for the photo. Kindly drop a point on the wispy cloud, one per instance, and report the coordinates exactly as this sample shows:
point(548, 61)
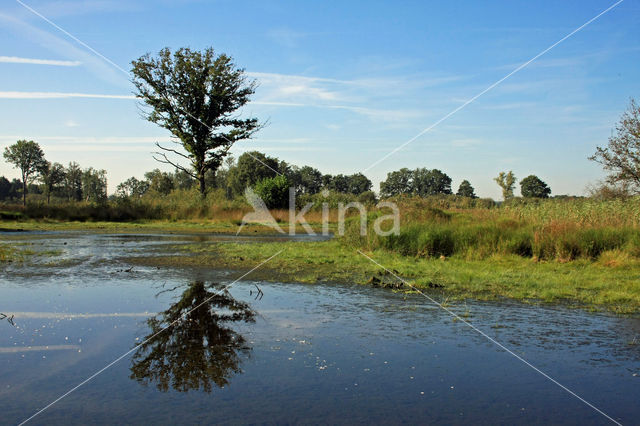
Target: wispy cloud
point(65, 49)
point(357, 95)
point(285, 36)
point(59, 95)
point(33, 61)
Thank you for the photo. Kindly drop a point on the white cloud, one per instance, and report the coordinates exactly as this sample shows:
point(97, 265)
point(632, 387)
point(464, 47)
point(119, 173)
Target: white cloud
point(32, 61)
point(71, 123)
point(59, 95)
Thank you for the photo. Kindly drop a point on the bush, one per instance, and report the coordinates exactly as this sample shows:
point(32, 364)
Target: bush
point(274, 192)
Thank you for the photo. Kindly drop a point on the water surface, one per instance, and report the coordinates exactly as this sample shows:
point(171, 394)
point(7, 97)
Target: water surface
point(295, 353)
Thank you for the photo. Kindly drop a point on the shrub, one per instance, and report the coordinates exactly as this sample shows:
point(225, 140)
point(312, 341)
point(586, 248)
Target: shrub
point(274, 192)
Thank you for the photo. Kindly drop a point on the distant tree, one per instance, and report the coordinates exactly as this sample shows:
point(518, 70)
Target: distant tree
point(430, 182)
point(196, 96)
point(251, 168)
point(94, 185)
point(132, 187)
point(306, 179)
point(274, 191)
point(622, 156)
point(326, 181)
point(29, 158)
point(182, 180)
point(339, 183)
point(51, 175)
point(398, 182)
point(533, 187)
point(358, 183)
point(73, 182)
point(159, 181)
point(367, 197)
point(5, 188)
point(466, 190)
point(507, 182)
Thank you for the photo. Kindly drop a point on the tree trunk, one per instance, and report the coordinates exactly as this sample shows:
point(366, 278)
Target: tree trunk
point(24, 191)
point(203, 189)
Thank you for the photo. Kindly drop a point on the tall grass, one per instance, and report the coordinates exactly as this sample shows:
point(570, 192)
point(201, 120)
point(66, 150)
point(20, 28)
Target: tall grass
point(562, 230)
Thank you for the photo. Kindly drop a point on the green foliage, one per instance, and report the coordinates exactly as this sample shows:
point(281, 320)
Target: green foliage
point(51, 176)
point(306, 179)
point(9, 190)
point(274, 192)
point(195, 95)
point(132, 187)
point(159, 181)
point(94, 185)
point(73, 182)
point(367, 197)
point(29, 158)
point(533, 187)
point(252, 167)
point(397, 183)
point(622, 155)
point(430, 182)
point(507, 182)
point(466, 190)
point(422, 182)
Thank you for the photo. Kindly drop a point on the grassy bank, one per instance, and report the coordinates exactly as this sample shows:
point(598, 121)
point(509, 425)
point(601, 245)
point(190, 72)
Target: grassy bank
point(543, 230)
point(578, 251)
point(582, 283)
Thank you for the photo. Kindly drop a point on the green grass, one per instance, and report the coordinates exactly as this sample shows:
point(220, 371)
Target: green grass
point(577, 251)
point(17, 252)
point(601, 284)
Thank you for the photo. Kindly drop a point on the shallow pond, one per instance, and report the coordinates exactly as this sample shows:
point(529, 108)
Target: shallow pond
point(193, 346)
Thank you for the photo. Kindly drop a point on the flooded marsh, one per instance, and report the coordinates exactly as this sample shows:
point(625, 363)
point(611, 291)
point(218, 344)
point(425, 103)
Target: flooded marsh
point(204, 348)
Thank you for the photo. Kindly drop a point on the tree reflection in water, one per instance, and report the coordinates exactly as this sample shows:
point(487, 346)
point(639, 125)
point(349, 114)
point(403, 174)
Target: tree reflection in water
point(199, 349)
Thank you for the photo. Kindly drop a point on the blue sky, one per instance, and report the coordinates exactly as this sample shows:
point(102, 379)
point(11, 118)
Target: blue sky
point(341, 83)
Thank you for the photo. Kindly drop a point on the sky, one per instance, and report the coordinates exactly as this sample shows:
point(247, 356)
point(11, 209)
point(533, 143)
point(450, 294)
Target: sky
point(341, 84)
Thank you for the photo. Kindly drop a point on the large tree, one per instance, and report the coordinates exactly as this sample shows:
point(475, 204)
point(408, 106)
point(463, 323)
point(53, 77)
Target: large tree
point(195, 95)
point(398, 182)
point(533, 187)
point(29, 158)
point(430, 182)
point(622, 156)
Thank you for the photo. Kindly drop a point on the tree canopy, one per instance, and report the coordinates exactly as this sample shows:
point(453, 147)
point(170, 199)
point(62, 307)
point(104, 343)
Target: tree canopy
point(507, 182)
point(195, 95)
point(621, 157)
point(533, 187)
point(421, 181)
point(466, 190)
point(29, 158)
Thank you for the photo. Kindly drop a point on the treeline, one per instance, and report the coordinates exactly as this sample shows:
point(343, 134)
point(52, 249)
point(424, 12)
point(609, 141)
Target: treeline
point(40, 176)
point(71, 183)
point(251, 169)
